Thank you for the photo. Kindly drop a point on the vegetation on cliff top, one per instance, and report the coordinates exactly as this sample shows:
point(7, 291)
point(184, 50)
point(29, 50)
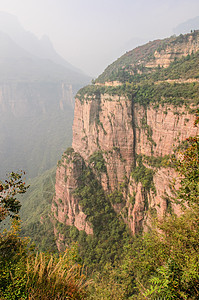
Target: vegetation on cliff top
point(140, 54)
point(154, 87)
point(134, 61)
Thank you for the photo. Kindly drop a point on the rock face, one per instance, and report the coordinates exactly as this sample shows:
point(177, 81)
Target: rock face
point(164, 57)
point(114, 126)
point(20, 99)
point(105, 124)
point(169, 126)
point(69, 212)
point(29, 126)
point(132, 138)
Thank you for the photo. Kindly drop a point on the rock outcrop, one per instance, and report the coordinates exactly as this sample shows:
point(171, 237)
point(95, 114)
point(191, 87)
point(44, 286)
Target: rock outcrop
point(29, 98)
point(172, 51)
point(134, 141)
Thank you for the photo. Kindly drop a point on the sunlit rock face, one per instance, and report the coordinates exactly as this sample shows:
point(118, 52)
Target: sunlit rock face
point(114, 126)
point(129, 135)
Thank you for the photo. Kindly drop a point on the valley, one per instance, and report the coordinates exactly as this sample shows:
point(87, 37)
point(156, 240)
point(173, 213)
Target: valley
point(123, 198)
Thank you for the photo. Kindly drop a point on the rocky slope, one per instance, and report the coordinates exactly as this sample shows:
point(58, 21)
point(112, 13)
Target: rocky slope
point(144, 59)
point(125, 133)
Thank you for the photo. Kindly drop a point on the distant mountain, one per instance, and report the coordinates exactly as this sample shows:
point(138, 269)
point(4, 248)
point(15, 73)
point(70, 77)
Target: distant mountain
point(17, 62)
point(185, 27)
point(24, 56)
point(42, 48)
point(37, 89)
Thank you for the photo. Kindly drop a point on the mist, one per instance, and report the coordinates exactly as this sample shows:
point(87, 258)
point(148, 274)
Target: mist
point(92, 34)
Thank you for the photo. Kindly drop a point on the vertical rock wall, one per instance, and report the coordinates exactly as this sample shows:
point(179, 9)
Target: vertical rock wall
point(120, 130)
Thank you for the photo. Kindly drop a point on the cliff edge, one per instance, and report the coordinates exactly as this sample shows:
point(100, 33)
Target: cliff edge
point(125, 128)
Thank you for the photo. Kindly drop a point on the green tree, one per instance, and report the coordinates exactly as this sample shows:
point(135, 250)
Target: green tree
point(26, 274)
point(9, 205)
point(177, 277)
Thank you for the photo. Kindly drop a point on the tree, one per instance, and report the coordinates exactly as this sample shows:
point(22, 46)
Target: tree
point(178, 275)
point(25, 274)
point(9, 205)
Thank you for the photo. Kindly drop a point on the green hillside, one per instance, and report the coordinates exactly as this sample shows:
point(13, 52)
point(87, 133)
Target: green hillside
point(131, 65)
point(35, 211)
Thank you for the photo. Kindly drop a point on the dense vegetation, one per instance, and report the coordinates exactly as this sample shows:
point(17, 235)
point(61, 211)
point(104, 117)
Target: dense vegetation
point(184, 68)
point(35, 210)
point(154, 87)
point(143, 53)
point(128, 66)
point(163, 263)
point(176, 94)
point(25, 273)
point(110, 234)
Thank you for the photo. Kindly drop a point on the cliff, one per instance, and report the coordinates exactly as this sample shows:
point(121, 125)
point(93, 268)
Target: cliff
point(34, 117)
point(125, 133)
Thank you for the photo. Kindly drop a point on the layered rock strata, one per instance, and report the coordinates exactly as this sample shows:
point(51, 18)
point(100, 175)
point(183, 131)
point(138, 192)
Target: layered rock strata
point(121, 130)
point(131, 141)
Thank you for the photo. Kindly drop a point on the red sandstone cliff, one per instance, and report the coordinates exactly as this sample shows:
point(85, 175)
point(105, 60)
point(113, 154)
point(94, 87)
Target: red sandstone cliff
point(121, 130)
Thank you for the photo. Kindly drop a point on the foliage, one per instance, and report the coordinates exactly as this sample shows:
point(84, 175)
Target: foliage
point(163, 263)
point(144, 175)
point(176, 94)
point(186, 67)
point(35, 210)
point(94, 91)
point(146, 92)
point(13, 255)
point(157, 161)
point(112, 283)
point(187, 166)
point(146, 85)
point(29, 275)
point(51, 277)
point(177, 277)
point(97, 161)
point(116, 197)
point(110, 232)
point(131, 66)
point(9, 205)
point(143, 53)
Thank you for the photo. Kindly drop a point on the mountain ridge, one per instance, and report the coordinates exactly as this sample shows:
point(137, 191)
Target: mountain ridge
point(41, 48)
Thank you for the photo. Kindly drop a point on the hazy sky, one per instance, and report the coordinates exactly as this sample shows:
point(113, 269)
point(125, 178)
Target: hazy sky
point(91, 34)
